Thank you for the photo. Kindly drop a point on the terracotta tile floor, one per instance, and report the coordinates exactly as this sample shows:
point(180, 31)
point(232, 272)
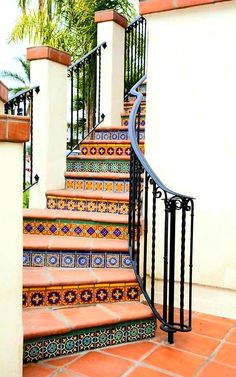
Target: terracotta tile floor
point(208, 351)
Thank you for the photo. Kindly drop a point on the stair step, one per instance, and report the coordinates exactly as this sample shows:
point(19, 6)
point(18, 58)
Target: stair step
point(75, 223)
point(125, 120)
point(74, 252)
point(116, 133)
point(111, 164)
point(47, 287)
point(51, 333)
point(107, 148)
point(109, 182)
point(91, 201)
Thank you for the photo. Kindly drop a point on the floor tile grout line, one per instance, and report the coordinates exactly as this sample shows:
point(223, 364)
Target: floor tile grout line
point(213, 354)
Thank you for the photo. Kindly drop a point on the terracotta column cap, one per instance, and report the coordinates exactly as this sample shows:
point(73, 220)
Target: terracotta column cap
point(3, 92)
point(14, 128)
point(154, 6)
point(49, 53)
point(111, 15)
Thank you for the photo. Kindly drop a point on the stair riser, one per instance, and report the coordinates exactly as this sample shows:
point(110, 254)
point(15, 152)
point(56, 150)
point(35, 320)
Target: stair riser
point(96, 166)
point(76, 229)
point(108, 149)
point(87, 205)
point(115, 135)
point(116, 186)
point(125, 121)
point(75, 295)
point(128, 108)
point(87, 339)
point(76, 259)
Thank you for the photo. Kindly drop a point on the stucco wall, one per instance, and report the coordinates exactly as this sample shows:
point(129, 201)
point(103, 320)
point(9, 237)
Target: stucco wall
point(191, 115)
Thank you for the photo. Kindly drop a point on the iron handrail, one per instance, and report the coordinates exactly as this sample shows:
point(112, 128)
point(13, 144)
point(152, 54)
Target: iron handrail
point(36, 88)
point(173, 203)
point(134, 143)
point(75, 64)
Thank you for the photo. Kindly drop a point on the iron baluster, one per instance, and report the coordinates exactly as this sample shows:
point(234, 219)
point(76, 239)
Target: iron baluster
point(145, 230)
point(71, 109)
point(154, 193)
point(165, 272)
point(172, 270)
point(182, 263)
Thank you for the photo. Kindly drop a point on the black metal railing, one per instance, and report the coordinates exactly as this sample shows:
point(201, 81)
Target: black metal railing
point(85, 93)
point(135, 53)
point(23, 104)
point(160, 238)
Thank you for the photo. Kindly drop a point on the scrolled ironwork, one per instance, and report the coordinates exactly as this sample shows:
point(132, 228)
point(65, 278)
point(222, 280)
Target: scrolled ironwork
point(167, 239)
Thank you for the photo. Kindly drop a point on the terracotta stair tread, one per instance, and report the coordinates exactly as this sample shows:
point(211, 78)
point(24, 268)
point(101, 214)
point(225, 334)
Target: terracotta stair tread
point(89, 194)
point(44, 322)
point(55, 214)
point(41, 277)
point(97, 158)
point(100, 175)
point(115, 128)
point(41, 242)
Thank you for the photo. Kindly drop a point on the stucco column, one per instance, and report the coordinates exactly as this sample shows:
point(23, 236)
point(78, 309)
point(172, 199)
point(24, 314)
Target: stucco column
point(3, 96)
point(14, 130)
point(111, 29)
point(48, 69)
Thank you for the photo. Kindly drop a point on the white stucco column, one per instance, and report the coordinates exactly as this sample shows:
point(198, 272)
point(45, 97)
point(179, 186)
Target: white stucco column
point(14, 130)
point(111, 29)
point(3, 96)
point(48, 69)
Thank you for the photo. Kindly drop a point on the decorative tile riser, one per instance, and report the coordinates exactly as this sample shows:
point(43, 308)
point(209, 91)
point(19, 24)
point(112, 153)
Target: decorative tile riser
point(127, 109)
point(80, 295)
point(75, 259)
point(96, 166)
point(97, 185)
point(101, 206)
point(76, 229)
point(125, 121)
point(87, 339)
point(106, 150)
point(115, 135)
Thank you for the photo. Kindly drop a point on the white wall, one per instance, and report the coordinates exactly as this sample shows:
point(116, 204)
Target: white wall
point(191, 115)
point(11, 245)
point(112, 71)
point(50, 126)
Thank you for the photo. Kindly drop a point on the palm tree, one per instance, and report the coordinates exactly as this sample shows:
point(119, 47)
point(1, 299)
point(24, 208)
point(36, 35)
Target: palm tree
point(22, 80)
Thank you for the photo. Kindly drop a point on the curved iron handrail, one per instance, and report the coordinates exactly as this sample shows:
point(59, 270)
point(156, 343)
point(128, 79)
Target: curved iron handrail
point(174, 202)
point(134, 143)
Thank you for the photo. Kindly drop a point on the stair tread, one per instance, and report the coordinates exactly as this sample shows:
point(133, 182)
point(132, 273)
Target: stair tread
point(55, 214)
point(97, 158)
point(89, 194)
point(41, 242)
point(100, 175)
point(44, 322)
point(49, 276)
point(115, 128)
point(127, 115)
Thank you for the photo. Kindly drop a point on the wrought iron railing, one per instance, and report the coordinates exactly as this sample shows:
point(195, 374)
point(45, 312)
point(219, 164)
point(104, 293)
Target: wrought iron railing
point(135, 53)
point(160, 238)
point(23, 104)
point(85, 93)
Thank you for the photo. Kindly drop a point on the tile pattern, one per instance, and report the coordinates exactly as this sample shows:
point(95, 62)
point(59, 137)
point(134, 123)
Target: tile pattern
point(128, 108)
point(75, 259)
point(76, 229)
point(125, 121)
point(88, 149)
point(80, 294)
point(88, 205)
point(96, 166)
point(87, 339)
point(115, 135)
point(117, 186)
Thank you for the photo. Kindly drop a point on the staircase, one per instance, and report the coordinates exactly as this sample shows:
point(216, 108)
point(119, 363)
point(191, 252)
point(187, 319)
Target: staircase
point(79, 291)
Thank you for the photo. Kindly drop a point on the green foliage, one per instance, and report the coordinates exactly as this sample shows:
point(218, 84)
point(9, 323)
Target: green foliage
point(26, 199)
point(65, 24)
point(22, 79)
